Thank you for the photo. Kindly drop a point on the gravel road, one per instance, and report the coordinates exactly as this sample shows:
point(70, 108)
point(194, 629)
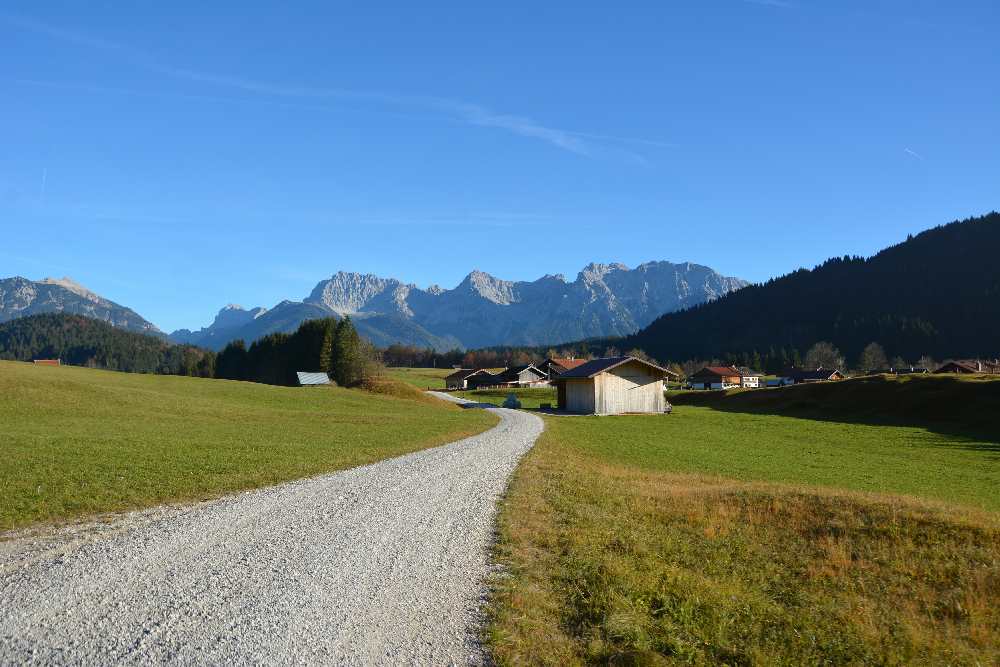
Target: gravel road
point(380, 564)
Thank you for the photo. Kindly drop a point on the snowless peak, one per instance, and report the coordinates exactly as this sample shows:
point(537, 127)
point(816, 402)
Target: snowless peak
point(595, 272)
point(76, 288)
point(492, 289)
point(235, 315)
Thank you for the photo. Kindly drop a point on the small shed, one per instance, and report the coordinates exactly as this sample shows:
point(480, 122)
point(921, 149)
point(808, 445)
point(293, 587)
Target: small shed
point(308, 379)
point(47, 362)
point(612, 386)
point(460, 378)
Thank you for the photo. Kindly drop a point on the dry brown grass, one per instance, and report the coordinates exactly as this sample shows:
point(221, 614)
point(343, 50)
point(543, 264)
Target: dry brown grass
point(613, 564)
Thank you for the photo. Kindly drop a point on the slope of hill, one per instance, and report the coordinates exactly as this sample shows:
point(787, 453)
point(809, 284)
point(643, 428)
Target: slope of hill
point(20, 297)
point(83, 341)
point(604, 300)
point(937, 293)
point(78, 441)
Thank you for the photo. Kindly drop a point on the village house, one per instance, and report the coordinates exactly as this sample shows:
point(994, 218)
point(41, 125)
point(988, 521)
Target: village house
point(749, 378)
point(716, 377)
point(612, 386)
point(970, 367)
point(521, 376)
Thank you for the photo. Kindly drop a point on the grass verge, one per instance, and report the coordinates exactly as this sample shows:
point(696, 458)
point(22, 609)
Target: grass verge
point(77, 441)
point(709, 537)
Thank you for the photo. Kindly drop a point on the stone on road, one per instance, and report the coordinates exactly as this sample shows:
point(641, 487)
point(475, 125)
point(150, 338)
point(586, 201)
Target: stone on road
point(384, 563)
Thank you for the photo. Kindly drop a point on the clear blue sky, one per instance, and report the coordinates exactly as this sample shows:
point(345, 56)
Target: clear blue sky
point(176, 158)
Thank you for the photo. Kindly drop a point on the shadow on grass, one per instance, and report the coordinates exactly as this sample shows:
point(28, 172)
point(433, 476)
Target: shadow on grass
point(966, 410)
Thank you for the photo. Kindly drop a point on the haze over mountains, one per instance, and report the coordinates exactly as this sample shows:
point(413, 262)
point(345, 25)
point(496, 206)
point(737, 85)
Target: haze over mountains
point(603, 300)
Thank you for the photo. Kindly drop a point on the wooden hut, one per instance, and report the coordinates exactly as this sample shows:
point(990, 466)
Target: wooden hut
point(612, 386)
point(460, 378)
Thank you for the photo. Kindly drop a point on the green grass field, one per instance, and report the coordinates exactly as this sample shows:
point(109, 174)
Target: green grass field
point(422, 378)
point(734, 532)
point(77, 441)
point(530, 398)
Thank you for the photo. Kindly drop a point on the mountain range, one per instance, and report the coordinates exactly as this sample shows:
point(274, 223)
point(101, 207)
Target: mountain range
point(20, 297)
point(604, 300)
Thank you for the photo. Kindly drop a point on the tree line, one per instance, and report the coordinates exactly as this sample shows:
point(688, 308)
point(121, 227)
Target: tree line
point(324, 345)
point(82, 341)
point(937, 293)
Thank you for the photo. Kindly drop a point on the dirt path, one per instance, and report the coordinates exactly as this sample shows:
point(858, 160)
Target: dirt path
point(379, 564)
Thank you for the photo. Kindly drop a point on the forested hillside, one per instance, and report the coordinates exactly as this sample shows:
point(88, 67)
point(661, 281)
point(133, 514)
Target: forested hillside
point(83, 341)
point(937, 293)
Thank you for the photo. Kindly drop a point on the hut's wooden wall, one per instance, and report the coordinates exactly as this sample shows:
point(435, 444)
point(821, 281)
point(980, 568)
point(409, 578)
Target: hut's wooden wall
point(580, 396)
point(628, 388)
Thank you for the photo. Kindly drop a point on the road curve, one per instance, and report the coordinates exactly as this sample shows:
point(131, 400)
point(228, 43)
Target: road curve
point(381, 564)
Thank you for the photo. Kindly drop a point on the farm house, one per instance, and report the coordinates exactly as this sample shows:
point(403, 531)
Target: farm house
point(612, 386)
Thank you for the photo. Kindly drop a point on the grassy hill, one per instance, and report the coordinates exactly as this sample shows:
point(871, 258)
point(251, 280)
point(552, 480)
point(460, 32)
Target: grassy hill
point(78, 441)
point(964, 408)
point(856, 523)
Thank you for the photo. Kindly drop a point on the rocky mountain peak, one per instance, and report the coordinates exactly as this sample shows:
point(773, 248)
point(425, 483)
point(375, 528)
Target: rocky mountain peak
point(234, 315)
point(347, 293)
point(492, 289)
point(594, 272)
point(76, 288)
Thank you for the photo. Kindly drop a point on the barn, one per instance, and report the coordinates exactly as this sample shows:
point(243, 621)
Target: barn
point(460, 378)
point(612, 386)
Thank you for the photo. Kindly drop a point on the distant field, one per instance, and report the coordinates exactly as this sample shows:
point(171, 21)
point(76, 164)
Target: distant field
point(530, 398)
point(77, 441)
point(718, 535)
point(424, 378)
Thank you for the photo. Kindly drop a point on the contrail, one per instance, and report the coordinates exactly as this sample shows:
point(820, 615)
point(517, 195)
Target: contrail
point(45, 178)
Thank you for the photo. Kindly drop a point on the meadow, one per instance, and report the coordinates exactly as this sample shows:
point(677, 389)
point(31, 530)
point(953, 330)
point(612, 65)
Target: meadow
point(78, 441)
point(732, 532)
point(422, 378)
point(531, 398)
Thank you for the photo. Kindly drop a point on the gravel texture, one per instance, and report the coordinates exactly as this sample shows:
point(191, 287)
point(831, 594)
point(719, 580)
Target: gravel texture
point(380, 564)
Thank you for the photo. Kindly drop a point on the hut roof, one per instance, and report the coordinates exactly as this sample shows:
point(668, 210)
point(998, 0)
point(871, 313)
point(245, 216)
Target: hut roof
point(597, 366)
point(307, 379)
point(717, 371)
point(568, 364)
point(463, 373)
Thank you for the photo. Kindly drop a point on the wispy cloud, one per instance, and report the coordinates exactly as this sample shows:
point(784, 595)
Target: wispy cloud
point(913, 153)
point(465, 112)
